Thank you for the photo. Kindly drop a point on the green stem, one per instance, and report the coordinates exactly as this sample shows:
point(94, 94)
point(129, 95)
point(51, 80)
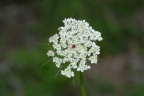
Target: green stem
point(82, 85)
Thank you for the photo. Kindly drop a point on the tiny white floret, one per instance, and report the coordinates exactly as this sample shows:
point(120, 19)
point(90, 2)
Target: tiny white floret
point(50, 53)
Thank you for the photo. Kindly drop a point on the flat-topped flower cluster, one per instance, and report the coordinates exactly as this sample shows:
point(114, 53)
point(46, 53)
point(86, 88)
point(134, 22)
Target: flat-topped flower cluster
point(74, 45)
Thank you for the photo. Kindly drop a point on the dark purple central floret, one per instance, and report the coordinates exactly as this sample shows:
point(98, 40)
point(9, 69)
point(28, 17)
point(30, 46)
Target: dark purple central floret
point(73, 46)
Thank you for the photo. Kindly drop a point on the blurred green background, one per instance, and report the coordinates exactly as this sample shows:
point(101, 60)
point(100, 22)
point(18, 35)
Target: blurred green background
point(26, 25)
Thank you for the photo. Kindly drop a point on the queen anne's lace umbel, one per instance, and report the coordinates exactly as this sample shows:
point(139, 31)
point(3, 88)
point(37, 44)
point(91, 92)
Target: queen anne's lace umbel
point(74, 46)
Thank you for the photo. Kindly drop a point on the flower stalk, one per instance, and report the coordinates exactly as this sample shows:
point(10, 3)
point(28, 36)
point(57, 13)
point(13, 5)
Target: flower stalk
point(82, 84)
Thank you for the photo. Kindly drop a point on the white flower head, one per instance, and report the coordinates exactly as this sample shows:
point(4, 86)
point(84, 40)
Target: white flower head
point(75, 44)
